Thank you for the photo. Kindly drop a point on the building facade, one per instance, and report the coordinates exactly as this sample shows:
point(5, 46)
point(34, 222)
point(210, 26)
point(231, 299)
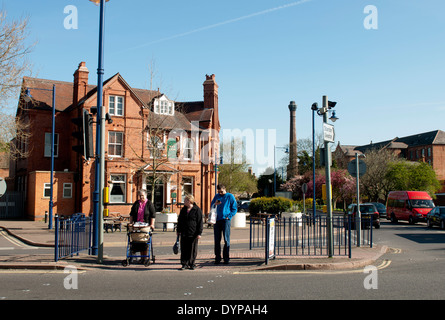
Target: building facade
point(427, 147)
point(151, 142)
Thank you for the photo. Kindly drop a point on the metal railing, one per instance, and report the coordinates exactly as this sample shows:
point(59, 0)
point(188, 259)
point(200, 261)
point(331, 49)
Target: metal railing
point(72, 235)
point(308, 237)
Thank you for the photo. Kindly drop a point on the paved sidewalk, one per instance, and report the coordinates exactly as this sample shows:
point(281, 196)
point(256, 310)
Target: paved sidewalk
point(37, 234)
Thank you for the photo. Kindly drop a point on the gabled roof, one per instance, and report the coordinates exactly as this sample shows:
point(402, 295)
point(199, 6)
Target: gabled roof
point(348, 150)
point(41, 93)
point(427, 138)
point(435, 137)
point(42, 99)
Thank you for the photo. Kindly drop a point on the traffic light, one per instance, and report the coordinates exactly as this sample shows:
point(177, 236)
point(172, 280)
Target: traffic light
point(84, 135)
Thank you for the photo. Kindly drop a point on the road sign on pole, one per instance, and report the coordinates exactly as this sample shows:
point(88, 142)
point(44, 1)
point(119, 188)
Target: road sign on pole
point(2, 187)
point(352, 168)
point(328, 132)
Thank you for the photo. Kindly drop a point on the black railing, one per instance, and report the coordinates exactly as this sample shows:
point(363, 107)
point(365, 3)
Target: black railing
point(309, 237)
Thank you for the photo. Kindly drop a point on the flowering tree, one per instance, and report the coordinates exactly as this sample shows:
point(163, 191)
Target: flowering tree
point(343, 185)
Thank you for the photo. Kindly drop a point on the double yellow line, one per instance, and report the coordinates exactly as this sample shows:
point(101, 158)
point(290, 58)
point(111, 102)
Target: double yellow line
point(15, 241)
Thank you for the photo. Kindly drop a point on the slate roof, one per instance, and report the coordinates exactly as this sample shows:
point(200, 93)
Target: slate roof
point(185, 112)
point(435, 137)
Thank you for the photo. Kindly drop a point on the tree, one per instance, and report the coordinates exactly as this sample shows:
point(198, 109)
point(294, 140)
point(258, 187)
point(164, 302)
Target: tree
point(304, 154)
point(265, 182)
point(234, 172)
point(157, 127)
point(14, 134)
point(415, 176)
point(374, 184)
point(343, 185)
point(13, 66)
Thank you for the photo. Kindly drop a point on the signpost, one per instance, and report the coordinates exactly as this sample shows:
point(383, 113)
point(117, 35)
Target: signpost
point(357, 168)
point(352, 168)
point(2, 187)
point(304, 189)
point(270, 239)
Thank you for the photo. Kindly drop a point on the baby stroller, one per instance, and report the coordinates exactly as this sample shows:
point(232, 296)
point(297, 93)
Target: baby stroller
point(139, 240)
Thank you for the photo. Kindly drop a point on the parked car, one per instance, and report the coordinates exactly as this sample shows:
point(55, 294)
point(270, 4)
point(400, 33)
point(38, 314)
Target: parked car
point(436, 217)
point(412, 206)
point(243, 205)
point(381, 208)
point(367, 211)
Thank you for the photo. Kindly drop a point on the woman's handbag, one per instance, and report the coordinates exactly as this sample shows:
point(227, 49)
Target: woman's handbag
point(212, 215)
point(176, 245)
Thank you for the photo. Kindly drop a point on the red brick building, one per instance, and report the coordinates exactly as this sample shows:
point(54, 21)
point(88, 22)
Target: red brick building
point(427, 147)
point(185, 135)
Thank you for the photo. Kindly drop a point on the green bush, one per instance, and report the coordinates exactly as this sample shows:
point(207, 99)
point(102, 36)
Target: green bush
point(270, 205)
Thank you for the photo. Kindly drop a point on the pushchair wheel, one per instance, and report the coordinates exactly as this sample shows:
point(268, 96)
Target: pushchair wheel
point(125, 263)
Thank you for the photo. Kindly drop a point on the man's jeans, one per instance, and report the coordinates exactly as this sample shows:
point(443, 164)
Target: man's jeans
point(222, 227)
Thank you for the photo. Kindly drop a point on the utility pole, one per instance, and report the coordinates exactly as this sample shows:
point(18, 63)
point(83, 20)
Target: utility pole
point(327, 159)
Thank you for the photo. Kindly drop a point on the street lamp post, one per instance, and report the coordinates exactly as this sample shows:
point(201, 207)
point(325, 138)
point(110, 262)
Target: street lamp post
point(274, 168)
point(100, 160)
point(313, 108)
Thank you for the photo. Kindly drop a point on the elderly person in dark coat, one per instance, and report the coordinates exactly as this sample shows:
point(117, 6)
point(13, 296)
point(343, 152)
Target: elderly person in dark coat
point(190, 229)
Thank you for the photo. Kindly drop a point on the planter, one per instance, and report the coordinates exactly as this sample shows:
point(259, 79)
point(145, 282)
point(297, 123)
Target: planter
point(239, 220)
point(293, 215)
point(169, 218)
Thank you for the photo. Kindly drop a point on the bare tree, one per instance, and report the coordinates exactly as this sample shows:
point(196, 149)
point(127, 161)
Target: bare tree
point(13, 56)
point(374, 183)
point(14, 136)
point(162, 126)
point(14, 132)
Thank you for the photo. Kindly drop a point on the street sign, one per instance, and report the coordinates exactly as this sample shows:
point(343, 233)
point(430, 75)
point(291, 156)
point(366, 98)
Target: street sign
point(328, 132)
point(352, 168)
point(304, 188)
point(2, 187)
point(270, 239)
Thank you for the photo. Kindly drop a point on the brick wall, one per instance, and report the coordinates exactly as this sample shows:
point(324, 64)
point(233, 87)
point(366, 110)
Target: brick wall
point(38, 203)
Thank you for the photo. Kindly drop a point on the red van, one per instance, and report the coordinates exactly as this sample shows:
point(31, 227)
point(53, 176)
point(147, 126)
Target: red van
point(412, 206)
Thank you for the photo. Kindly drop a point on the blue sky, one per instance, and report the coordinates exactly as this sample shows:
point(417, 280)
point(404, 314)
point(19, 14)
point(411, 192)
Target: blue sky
point(387, 81)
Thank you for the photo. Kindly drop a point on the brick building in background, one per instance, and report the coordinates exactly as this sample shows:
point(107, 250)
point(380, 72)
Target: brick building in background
point(427, 147)
point(186, 139)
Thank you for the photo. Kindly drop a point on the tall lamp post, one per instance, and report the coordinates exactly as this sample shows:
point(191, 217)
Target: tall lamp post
point(100, 130)
point(28, 98)
point(314, 108)
point(327, 105)
point(275, 168)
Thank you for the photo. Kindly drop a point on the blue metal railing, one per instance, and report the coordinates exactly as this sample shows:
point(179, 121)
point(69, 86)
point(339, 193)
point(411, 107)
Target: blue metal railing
point(72, 235)
point(309, 237)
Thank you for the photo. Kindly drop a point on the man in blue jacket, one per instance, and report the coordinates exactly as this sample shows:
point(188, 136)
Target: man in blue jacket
point(226, 209)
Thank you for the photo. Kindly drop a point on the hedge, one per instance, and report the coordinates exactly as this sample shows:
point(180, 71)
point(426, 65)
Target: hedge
point(270, 205)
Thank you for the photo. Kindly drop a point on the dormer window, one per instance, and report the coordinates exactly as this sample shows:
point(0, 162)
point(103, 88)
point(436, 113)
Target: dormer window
point(163, 105)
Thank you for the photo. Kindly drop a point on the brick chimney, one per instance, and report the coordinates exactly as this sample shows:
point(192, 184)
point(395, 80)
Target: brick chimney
point(80, 83)
point(211, 99)
point(292, 168)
